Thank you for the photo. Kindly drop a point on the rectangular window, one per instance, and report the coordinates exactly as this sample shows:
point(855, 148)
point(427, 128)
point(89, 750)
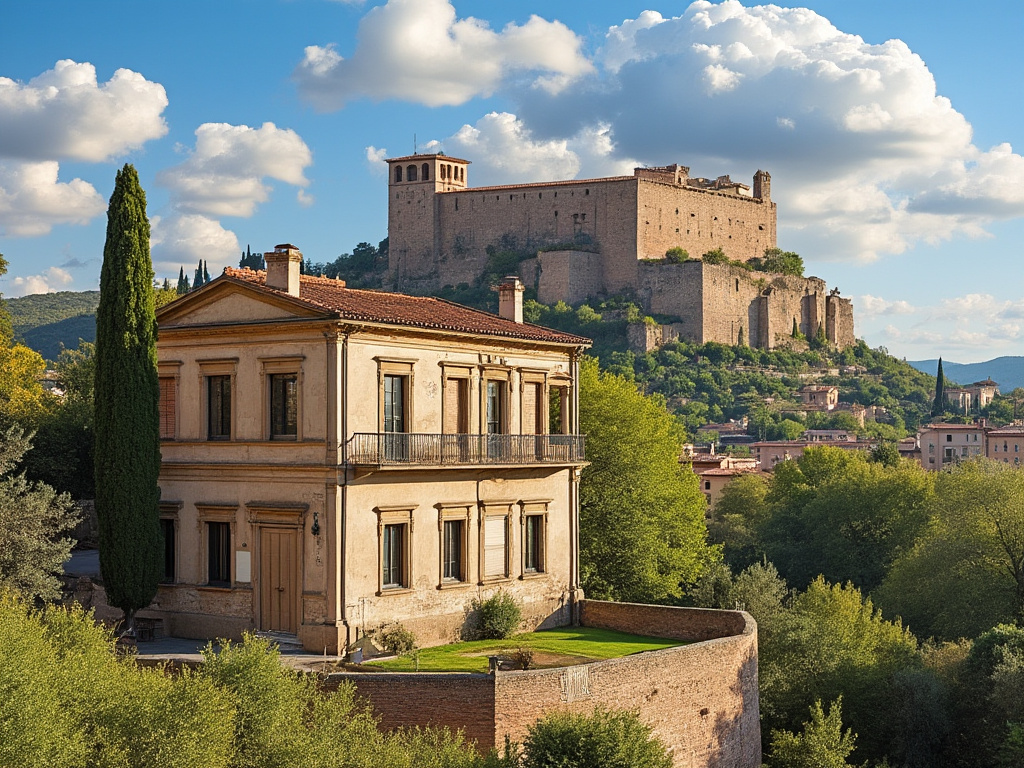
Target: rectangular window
point(533, 544)
point(393, 561)
point(394, 403)
point(167, 408)
point(452, 556)
point(284, 406)
point(456, 407)
point(558, 410)
point(167, 526)
point(218, 543)
point(495, 547)
point(532, 411)
point(219, 404)
point(495, 407)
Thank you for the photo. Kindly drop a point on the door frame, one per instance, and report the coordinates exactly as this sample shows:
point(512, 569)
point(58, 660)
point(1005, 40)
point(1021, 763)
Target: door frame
point(288, 516)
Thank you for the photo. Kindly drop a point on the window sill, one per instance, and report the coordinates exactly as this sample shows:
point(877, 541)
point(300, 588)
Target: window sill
point(219, 588)
point(454, 585)
point(388, 591)
point(495, 580)
point(533, 575)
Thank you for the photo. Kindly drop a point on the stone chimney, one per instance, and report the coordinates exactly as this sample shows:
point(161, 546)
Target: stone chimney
point(510, 299)
point(283, 268)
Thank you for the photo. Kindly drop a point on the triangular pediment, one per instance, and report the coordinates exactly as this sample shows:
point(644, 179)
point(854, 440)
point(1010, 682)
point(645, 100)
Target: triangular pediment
point(232, 302)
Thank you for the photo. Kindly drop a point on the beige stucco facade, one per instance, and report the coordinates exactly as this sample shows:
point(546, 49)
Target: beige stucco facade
point(309, 507)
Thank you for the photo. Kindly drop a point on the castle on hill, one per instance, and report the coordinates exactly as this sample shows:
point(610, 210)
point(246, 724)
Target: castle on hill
point(594, 237)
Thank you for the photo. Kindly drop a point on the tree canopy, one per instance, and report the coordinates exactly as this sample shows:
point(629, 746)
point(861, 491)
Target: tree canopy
point(642, 532)
point(126, 406)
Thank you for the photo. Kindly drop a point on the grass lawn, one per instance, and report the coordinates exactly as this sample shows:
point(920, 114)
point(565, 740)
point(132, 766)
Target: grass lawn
point(551, 648)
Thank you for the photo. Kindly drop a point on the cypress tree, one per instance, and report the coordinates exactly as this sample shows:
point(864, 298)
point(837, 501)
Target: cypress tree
point(198, 279)
point(206, 273)
point(127, 402)
point(182, 285)
point(939, 406)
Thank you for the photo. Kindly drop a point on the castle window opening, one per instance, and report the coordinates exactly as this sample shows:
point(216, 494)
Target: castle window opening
point(737, 284)
point(410, 173)
point(588, 191)
point(398, 173)
point(426, 172)
point(540, 195)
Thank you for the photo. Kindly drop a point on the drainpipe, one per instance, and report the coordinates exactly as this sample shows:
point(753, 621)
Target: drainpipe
point(342, 538)
point(574, 496)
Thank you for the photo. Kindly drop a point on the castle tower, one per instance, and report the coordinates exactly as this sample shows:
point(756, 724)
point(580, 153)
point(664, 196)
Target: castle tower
point(413, 183)
point(763, 185)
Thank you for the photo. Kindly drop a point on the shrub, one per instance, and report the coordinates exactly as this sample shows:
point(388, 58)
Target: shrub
point(496, 618)
point(603, 739)
point(715, 256)
point(522, 656)
point(396, 639)
point(676, 255)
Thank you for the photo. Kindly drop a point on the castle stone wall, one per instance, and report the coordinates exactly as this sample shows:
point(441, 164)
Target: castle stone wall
point(701, 220)
point(570, 276)
point(677, 290)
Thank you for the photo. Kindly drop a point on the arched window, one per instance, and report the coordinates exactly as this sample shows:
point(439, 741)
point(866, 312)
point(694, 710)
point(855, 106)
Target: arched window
point(448, 170)
point(444, 172)
point(398, 173)
point(426, 172)
point(410, 173)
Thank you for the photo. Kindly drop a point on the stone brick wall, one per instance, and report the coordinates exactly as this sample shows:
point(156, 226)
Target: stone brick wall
point(701, 699)
point(701, 220)
point(571, 276)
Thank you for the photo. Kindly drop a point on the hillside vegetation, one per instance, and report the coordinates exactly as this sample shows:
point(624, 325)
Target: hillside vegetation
point(47, 321)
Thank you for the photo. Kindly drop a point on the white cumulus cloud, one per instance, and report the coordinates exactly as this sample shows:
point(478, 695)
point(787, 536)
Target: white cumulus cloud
point(52, 280)
point(504, 151)
point(418, 50)
point(33, 201)
point(225, 174)
point(872, 306)
point(183, 239)
point(65, 113)
point(867, 157)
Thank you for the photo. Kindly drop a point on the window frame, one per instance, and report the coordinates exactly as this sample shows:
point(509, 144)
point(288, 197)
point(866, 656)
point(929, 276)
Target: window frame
point(219, 514)
point(462, 514)
point(283, 366)
point(225, 368)
point(170, 371)
point(169, 519)
point(278, 431)
point(494, 510)
point(536, 510)
point(400, 517)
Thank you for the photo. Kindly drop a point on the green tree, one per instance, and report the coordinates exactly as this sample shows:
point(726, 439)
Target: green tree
point(676, 255)
point(34, 521)
point(715, 256)
point(781, 262)
point(939, 403)
point(966, 573)
point(642, 532)
point(126, 406)
point(741, 510)
point(206, 273)
point(822, 744)
point(831, 642)
point(603, 739)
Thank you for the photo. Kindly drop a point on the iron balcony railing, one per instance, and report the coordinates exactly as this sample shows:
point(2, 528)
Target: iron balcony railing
point(403, 448)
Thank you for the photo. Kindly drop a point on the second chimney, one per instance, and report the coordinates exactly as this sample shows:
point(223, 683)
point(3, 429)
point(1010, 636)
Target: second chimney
point(283, 268)
point(510, 299)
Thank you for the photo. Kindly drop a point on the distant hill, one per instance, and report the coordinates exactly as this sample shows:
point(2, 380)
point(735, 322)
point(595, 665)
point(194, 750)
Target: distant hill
point(44, 321)
point(1008, 372)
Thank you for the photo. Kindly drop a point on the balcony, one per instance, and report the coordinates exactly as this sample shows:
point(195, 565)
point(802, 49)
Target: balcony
point(408, 449)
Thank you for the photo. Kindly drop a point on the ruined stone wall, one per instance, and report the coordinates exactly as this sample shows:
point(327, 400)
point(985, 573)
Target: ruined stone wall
point(701, 220)
point(701, 699)
point(570, 276)
point(677, 290)
point(839, 321)
point(730, 301)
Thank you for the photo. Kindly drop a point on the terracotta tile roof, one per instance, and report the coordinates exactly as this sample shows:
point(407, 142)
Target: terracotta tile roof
point(940, 427)
point(730, 471)
point(1007, 431)
point(401, 309)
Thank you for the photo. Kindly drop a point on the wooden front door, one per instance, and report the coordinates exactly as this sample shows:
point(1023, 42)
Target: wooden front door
point(279, 579)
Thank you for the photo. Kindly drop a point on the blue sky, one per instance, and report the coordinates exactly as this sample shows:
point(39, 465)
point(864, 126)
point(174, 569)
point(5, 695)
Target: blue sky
point(891, 129)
